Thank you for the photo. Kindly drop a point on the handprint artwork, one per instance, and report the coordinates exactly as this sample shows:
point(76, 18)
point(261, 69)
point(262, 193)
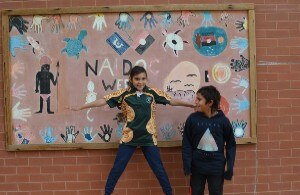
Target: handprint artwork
point(99, 21)
point(61, 60)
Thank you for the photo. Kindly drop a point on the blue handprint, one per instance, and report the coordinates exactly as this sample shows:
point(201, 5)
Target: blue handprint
point(16, 42)
point(148, 17)
point(123, 21)
point(240, 82)
point(167, 131)
point(240, 105)
point(87, 134)
point(239, 43)
point(47, 135)
point(207, 19)
point(167, 20)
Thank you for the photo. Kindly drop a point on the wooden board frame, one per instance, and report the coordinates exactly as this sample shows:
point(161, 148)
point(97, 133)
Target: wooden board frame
point(86, 10)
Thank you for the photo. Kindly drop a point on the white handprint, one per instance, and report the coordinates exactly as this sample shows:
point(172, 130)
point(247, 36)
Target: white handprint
point(73, 22)
point(37, 23)
point(18, 92)
point(20, 114)
point(17, 68)
point(240, 82)
point(99, 21)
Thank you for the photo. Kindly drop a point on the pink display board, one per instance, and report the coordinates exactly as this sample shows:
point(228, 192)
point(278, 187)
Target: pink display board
point(69, 58)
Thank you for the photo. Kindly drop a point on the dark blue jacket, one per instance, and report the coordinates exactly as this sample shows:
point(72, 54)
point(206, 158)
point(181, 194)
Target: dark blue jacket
point(208, 162)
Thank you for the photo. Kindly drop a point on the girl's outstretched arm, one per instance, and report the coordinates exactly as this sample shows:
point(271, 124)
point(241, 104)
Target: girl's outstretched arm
point(176, 102)
point(97, 103)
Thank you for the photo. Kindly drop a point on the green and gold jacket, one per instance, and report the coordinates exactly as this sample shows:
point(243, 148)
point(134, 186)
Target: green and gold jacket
point(139, 111)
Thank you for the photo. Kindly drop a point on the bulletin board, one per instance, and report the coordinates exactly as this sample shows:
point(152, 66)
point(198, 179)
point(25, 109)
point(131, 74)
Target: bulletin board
point(67, 57)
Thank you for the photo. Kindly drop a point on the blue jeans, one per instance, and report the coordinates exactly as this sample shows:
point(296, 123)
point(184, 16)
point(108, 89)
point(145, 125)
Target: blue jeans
point(152, 156)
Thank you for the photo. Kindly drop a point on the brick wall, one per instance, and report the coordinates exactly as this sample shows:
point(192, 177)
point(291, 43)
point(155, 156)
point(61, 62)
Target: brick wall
point(272, 166)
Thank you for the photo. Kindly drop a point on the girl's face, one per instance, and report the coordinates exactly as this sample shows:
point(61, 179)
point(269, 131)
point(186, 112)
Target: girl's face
point(202, 105)
point(139, 81)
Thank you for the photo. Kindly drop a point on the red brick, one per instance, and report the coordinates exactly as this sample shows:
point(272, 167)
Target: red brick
point(138, 191)
point(16, 193)
point(265, 8)
point(8, 187)
point(295, 102)
point(8, 170)
point(89, 160)
point(260, 33)
point(290, 161)
point(294, 16)
point(268, 178)
point(287, 25)
point(278, 16)
point(244, 179)
point(58, 3)
point(261, 187)
point(279, 186)
point(65, 177)
point(16, 162)
point(28, 170)
point(279, 103)
point(289, 144)
point(107, 159)
point(288, 59)
point(294, 33)
point(155, 2)
point(277, 34)
point(289, 93)
point(97, 184)
point(275, 1)
point(77, 185)
point(138, 175)
point(69, 192)
point(261, 42)
point(289, 111)
point(280, 153)
point(42, 192)
point(236, 188)
point(78, 3)
point(277, 50)
point(41, 178)
point(296, 185)
point(290, 177)
point(40, 161)
point(54, 186)
point(267, 77)
point(286, 42)
point(269, 162)
point(52, 169)
point(89, 176)
point(280, 170)
point(262, 85)
point(107, 3)
point(16, 178)
point(29, 186)
point(289, 127)
point(34, 4)
point(294, 51)
point(11, 5)
point(64, 161)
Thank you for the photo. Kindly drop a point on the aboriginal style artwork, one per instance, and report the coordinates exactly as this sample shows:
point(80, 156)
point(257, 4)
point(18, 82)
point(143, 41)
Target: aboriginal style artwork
point(63, 59)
